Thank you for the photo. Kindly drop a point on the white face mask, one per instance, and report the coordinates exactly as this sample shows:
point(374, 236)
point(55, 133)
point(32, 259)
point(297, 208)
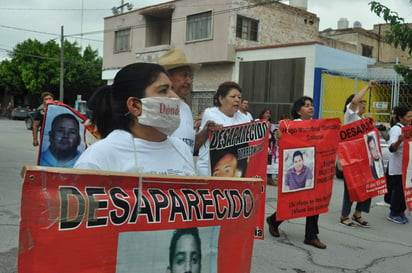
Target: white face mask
point(160, 113)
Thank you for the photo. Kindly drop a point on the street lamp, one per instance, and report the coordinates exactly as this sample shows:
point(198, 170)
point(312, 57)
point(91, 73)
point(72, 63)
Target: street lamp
point(129, 7)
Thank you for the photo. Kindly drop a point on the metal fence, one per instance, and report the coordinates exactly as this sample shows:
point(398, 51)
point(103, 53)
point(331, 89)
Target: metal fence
point(336, 86)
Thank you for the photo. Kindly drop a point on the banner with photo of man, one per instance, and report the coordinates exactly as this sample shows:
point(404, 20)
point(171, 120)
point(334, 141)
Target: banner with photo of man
point(407, 166)
point(242, 151)
point(307, 157)
point(97, 221)
point(65, 134)
point(361, 158)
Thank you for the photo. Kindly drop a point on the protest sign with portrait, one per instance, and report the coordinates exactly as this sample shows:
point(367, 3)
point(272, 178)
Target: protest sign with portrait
point(98, 221)
point(65, 134)
point(407, 166)
point(242, 151)
point(361, 159)
point(306, 167)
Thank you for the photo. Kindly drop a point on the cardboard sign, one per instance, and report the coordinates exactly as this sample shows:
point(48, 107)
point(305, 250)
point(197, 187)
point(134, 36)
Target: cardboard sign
point(89, 221)
point(65, 134)
point(307, 158)
point(407, 166)
point(242, 151)
point(361, 159)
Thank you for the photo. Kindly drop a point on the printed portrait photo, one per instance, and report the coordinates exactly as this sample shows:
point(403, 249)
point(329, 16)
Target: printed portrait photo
point(228, 162)
point(298, 169)
point(63, 138)
point(374, 155)
point(172, 251)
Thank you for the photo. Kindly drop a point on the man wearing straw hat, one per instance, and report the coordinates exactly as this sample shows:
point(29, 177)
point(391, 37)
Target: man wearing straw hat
point(181, 76)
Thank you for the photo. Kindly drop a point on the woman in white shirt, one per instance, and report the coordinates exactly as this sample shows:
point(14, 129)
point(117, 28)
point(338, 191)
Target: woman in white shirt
point(302, 109)
point(227, 100)
point(138, 113)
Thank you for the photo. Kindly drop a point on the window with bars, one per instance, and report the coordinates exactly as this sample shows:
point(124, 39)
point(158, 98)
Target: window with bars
point(247, 28)
point(199, 26)
point(122, 40)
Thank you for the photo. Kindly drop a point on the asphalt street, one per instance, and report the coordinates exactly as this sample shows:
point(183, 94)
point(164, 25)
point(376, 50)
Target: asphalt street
point(385, 247)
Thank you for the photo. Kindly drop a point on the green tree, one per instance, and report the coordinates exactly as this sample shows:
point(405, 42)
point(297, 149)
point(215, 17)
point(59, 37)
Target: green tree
point(399, 34)
point(34, 67)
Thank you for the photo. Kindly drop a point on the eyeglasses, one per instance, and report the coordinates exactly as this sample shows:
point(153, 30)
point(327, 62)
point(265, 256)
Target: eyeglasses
point(186, 75)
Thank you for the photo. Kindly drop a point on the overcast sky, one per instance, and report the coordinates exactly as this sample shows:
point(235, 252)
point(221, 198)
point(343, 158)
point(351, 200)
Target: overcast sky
point(42, 19)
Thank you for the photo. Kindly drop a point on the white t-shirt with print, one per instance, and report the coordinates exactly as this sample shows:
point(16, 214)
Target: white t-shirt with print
point(121, 152)
point(185, 130)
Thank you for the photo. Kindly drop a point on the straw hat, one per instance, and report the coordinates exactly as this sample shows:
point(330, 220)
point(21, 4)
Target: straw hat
point(175, 58)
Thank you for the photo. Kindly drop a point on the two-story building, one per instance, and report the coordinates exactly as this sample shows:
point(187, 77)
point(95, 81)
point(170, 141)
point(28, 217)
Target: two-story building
point(209, 33)
point(274, 50)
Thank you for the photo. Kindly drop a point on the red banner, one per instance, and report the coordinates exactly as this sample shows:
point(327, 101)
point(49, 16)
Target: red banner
point(307, 158)
point(407, 166)
point(65, 134)
point(361, 159)
point(89, 221)
point(242, 151)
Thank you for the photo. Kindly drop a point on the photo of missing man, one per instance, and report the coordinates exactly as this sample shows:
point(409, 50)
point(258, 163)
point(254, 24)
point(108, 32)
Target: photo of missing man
point(374, 154)
point(228, 162)
point(62, 141)
point(298, 169)
point(172, 251)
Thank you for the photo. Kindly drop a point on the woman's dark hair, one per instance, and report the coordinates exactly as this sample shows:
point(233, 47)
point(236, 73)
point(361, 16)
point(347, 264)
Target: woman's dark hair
point(108, 103)
point(298, 104)
point(263, 112)
point(348, 100)
point(297, 153)
point(223, 90)
point(400, 111)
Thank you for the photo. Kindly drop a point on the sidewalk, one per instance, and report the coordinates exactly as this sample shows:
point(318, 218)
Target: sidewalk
point(385, 247)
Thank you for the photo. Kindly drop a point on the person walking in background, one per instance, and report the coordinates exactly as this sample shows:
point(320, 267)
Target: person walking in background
point(39, 115)
point(302, 109)
point(8, 110)
point(139, 134)
point(228, 97)
point(267, 115)
point(353, 110)
point(181, 76)
point(244, 106)
point(403, 116)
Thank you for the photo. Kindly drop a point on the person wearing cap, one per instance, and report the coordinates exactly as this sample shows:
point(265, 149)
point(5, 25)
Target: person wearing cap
point(181, 76)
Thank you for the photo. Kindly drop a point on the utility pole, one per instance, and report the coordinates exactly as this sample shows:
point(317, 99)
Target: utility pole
point(61, 95)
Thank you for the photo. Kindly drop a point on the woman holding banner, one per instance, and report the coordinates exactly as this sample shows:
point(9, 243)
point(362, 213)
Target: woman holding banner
point(138, 113)
point(398, 206)
point(353, 110)
point(227, 101)
point(302, 109)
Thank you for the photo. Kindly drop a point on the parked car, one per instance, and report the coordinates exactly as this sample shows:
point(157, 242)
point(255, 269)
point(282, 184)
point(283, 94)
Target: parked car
point(385, 156)
point(30, 117)
point(29, 120)
point(20, 112)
